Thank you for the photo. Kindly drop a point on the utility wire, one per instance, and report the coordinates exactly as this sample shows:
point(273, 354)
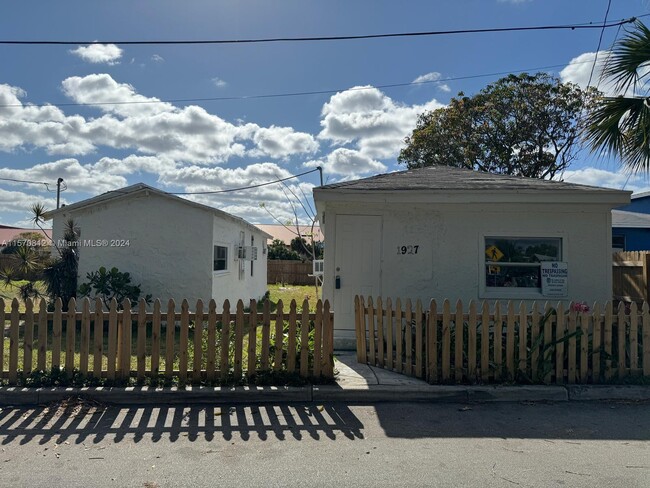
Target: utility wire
point(600, 40)
point(25, 181)
point(588, 25)
point(47, 185)
point(291, 94)
point(280, 180)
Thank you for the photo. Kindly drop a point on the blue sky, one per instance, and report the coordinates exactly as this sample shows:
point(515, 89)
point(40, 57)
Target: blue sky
point(212, 145)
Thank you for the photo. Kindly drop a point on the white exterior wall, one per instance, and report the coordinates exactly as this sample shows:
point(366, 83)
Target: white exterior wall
point(450, 259)
point(226, 284)
point(169, 252)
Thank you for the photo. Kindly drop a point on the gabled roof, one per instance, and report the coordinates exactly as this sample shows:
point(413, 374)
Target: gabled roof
point(635, 220)
point(138, 188)
point(445, 184)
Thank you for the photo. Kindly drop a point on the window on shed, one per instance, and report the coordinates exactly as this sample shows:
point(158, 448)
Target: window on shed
point(515, 262)
point(220, 258)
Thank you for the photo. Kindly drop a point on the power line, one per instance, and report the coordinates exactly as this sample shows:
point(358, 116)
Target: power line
point(25, 181)
point(243, 187)
point(600, 40)
point(291, 94)
point(587, 25)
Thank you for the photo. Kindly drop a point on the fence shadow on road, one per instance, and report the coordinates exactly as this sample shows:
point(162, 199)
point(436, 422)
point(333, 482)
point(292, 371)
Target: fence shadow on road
point(80, 422)
point(566, 421)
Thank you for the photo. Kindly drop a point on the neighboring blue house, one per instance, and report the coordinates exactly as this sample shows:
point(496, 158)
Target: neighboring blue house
point(631, 224)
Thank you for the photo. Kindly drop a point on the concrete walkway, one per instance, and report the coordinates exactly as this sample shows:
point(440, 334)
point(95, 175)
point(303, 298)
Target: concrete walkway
point(355, 383)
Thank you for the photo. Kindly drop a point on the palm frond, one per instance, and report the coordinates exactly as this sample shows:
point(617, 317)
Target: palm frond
point(620, 126)
point(629, 55)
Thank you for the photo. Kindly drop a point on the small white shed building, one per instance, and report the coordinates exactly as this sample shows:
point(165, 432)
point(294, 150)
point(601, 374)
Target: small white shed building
point(173, 247)
point(442, 232)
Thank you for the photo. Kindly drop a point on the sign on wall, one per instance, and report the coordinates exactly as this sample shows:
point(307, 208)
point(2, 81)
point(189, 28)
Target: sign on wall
point(555, 278)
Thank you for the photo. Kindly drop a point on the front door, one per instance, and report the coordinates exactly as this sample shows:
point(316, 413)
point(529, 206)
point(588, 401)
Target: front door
point(357, 266)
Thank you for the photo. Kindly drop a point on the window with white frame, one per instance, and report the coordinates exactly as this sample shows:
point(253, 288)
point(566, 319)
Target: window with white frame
point(220, 262)
point(515, 262)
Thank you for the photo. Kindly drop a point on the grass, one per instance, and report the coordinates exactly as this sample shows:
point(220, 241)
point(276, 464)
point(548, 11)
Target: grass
point(293, 292)
point(10, 291)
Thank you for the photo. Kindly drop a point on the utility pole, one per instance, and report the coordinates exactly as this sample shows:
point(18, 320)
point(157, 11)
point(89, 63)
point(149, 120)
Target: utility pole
point(58, 190)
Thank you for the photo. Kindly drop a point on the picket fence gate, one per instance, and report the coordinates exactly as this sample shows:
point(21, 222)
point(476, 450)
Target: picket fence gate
point(551, 344)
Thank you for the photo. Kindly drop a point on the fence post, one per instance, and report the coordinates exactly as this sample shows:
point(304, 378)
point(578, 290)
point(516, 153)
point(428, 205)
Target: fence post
point(70, 329)
point(646, 277)
point(183, 341)
point(2, 344)
point(328, 342)
point(28, 336)
point(13, 342)
point(126, 339)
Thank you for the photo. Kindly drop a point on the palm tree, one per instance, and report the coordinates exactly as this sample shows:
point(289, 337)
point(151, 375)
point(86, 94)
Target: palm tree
point(620, 126)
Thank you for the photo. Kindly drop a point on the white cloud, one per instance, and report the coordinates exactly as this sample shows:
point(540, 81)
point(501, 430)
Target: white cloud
point(277, 200)
point(21, 202)
point(99, 53)
point(429, 77)
point(609, 179)
point(219, 83)
point(102, 91)
point(78, 178)
point(579, 68)
point(281, 142)
point(375, 123)
point(348, 162)
point(142, 124)
point(134, 164)
point(433, 77)
point(157, 58)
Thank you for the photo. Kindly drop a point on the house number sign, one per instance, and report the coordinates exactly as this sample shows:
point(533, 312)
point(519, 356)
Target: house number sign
point(410, 249)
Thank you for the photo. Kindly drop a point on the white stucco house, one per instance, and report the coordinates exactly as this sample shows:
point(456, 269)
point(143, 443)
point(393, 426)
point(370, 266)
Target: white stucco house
point(442, 232)
point(173, 247)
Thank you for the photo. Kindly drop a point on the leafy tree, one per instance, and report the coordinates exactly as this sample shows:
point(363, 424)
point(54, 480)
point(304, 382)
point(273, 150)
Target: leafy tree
point(620, 126)
point(523, 125)
point(307, 250)
point(111, 284)
point(278, 250)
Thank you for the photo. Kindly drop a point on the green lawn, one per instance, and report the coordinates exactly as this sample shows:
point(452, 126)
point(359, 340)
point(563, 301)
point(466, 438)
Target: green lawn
point(298, 293)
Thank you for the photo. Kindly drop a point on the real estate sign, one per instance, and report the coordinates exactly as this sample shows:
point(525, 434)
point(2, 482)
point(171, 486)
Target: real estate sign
point(555, 276)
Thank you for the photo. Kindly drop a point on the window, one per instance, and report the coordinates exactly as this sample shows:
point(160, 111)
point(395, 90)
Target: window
point(618, 242)
point(514, 262)
point(220, 258)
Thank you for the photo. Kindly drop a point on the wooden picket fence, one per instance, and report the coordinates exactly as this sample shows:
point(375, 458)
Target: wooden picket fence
point(203, 345)
point(548, 344)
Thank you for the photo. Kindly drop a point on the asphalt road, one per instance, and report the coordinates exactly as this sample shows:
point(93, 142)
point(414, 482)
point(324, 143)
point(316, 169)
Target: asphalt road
point(392, 444)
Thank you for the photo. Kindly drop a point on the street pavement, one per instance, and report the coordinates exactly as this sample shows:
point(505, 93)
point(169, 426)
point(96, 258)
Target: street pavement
point(566, 444)
point(372, 428)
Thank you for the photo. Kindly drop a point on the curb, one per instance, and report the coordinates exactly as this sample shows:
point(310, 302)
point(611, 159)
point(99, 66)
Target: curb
point(385, 393)
point(153, 396)
point(15, 396)
point(608, 392)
